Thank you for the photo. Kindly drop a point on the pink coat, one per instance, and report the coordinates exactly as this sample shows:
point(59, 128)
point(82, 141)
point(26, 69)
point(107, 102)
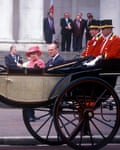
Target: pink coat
point(40, 63)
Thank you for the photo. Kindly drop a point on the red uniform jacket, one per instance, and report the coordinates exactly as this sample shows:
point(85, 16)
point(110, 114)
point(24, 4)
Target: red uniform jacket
point(93, 45)
point(111, 48)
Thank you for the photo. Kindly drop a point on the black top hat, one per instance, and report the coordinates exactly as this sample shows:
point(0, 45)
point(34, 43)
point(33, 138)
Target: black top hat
point(95, 24)
point(106, 24)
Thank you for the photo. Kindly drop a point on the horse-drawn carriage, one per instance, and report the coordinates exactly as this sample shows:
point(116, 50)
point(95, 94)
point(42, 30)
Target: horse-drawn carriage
point(73, 106)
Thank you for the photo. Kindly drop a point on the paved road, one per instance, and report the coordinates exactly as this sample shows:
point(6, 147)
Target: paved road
point(35, 148)
point(13, 128)
point(110, 147)
point(11, 123)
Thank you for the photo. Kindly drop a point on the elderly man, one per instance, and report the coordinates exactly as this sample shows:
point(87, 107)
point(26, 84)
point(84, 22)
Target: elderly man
point(110, 48)
point(56, 58)
point(66, 24)
point(13, 60)
point(91, 48)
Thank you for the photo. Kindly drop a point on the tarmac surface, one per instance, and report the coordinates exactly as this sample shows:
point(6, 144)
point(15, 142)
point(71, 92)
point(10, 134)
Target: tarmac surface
point(12, 128)
point(14, 132)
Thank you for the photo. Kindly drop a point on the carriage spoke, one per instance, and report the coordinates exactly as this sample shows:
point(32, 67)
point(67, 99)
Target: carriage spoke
point(97, 128)
point(42, 125)
point(43, 128)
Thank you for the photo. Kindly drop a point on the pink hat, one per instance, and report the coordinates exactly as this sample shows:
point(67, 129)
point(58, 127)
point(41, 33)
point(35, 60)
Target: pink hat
point(32, 50)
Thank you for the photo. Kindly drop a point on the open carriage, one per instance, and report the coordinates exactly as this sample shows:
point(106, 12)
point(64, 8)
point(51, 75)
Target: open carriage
point(73, 105)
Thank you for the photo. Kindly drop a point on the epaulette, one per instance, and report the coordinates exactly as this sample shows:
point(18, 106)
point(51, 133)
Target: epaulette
point(111, 37)
point(98, 36)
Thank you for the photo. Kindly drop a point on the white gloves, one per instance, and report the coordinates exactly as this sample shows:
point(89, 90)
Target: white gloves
point(94, 61)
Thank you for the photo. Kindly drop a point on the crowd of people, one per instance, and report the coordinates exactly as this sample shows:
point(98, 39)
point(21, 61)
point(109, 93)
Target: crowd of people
point(100, 40)
point(72, 30)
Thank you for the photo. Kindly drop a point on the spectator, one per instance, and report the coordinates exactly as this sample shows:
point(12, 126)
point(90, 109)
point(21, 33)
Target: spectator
point(66, 31)
point(82, 29)
point(78, 28)
point(13, 60)
point(49, 29)
point(56, 58)
point(88, 22)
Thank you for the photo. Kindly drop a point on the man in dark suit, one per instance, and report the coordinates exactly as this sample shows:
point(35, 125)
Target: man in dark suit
point(66, 31)
point(13, 60)
point(48, 27)
point(78, 31)
point(56, 58)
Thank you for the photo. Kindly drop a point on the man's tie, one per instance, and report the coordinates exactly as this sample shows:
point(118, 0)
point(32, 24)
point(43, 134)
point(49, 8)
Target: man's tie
point(51, 23)
point(15, 58)
point(78, 23)
point(51, 62)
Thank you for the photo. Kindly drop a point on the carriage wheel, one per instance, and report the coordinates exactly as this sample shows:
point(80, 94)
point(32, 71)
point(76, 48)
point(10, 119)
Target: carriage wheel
point(87, 114)
point(42, 128)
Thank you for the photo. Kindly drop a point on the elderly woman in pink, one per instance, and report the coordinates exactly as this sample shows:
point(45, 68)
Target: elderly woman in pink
point(33, 54)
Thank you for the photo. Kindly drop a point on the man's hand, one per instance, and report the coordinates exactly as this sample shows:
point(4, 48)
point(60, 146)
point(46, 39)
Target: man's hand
point(94, 61)
point(19, 65)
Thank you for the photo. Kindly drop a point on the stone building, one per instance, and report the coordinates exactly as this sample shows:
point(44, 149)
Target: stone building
point(21, 21)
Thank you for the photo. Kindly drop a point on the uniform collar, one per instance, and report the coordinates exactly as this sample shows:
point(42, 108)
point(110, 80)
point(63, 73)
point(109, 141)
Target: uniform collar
point(109, 36)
